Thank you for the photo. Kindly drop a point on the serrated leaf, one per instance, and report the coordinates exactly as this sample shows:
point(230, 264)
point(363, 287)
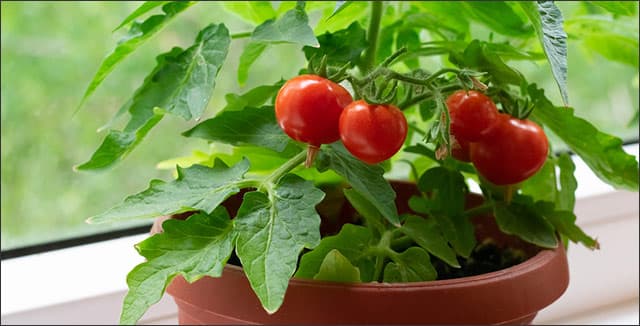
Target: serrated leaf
point(272, 231)
point(337, 268)
point(566, 199)
point(252, 126)
point(137, 35)
point(180, 84)
point(197, 247)
point(351, 241)
point(254, 12)
point(602, 152)
point(522, 220)
point(292, 27)
point(564, 222)
point(547, 20)
point(196, 188)
point(143, 9)
point(249, 55)
point(342, 47)
point(426, 233)
point(367, 179)
point(413, 265)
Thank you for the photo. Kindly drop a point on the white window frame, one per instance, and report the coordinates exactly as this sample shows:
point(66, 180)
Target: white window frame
point(86, 284)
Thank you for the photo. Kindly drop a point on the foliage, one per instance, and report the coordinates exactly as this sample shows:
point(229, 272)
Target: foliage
point(277, 219)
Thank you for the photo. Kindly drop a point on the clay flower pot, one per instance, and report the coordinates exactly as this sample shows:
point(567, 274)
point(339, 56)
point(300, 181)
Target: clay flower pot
point(509, 296)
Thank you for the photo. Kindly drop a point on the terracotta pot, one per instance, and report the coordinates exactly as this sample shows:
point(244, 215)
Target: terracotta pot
point(510, 296)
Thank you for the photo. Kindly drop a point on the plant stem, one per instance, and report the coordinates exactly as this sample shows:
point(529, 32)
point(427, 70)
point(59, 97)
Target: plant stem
point(241, 35)
point(402, 243)
point(372, 35)
point(284, 168)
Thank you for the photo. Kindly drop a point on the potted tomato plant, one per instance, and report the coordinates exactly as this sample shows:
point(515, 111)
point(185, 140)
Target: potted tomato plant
point(343, 194)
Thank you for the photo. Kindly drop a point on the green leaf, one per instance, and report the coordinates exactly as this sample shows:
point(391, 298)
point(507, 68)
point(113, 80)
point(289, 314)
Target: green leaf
point(196, 188)
point(144, 8)
point(118, 144)
point(342, 47)
point(337, 268)
point(197, 247)
point(603, 153)
point(367, 210)
point(333, 20)
point(351, 241)
point(566, 199)
point(447, 189)
point(137, 35)
point(253, 126)
point(413, 265)
point(255, 97)
point(292, 27)
point(249, 55)
point(272, 231)
point(548, 23)
point(542, 185)
point(614, 47)
point(180, 84)
point(254, 12)
point(521, 219)
point(624, 8)
point(564, 222)
point(409, 38)
point(500, 16)
point(340, 6)
point(480, 57)
point(367, 179)
point(426, 233)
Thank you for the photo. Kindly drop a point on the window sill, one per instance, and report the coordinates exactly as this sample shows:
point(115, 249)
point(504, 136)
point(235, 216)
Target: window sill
point(86, 284)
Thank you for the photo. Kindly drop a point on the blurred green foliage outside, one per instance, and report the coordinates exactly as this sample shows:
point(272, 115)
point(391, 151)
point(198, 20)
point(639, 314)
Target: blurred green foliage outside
point(50, 51)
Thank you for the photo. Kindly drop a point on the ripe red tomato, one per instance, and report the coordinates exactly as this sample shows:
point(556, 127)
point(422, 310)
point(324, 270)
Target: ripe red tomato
point(372, 132)
point(308, 109)
point(471, 114)
point(511, 152)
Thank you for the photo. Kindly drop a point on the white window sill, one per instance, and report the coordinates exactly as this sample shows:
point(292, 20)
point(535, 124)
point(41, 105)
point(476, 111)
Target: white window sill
point(86, 284)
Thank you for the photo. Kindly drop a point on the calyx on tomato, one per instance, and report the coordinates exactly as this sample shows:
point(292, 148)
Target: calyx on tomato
point(372, 132)
point(308, 109)
point(511, 152)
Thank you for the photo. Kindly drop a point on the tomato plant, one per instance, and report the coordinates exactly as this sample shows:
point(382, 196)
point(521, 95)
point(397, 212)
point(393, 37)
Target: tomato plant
point(372, 132)
point(472, 114)
point(511, 152)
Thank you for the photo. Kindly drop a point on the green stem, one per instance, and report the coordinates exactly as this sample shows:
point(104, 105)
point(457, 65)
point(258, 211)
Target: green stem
point(402, 243)
point(285, 168)
point(381, 252)
point(241, 35)
point(372, 35)
point(428, 95)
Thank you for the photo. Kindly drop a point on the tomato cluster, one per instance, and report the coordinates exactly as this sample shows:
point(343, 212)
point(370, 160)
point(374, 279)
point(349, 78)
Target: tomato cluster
point(505, 150)
point(314, 110)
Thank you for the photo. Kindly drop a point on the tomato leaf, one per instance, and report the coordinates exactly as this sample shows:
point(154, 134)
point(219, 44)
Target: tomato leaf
point(426, 233)
point(143, 9)
point(446, 188)
point(136, 36)
point(180, 84)
point(199, 246)
point(249, 55)
point(564, 222)
point(342, 47)
point(196, 188)
point(272, 231)
point(509, 23)
point(566, 198)
point(337, 268)
point(602, 152)
point(340, 6)
point(231, 127)
point(520, 218)
point(367, 179)
point(333, 20)
point(292, 27)
point(543, 184)
point(253, 12)
point(625, 8)
point(351, 241)
point(367, 210)
point(413, 265)
point(548, 23)
point(479, 56)
point(254, 97)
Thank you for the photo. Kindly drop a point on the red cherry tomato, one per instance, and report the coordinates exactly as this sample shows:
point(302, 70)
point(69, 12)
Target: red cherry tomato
point(511, 152)
point(372, 132)
point(471, 113)
point(308, 109)
point(460, 149)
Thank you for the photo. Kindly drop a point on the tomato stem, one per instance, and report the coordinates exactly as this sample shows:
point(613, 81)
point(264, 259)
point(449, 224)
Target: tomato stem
point(374, 29)
point(284, 169)
point(312, 152)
